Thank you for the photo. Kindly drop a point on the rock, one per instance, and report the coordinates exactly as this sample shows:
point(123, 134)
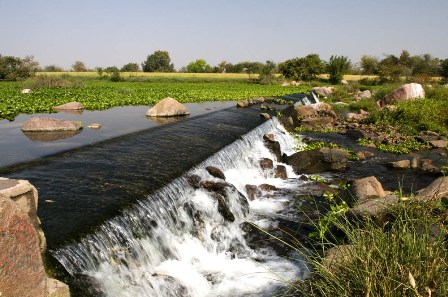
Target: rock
point(362, 155)
point(317, 122)
point(167, 107)
point(344, 82)
point(295, 83)
point(425, 165)
point(275, 149)
point(70, 106)
point(25, 196)
point(215, 172)
point(56, 288)
point(357, 134)
point(373, 207)
point(267, 188)
point(337, 256)
point(49, 124)
point(401, 164)
point(324, 91)
point(269, 138)
point(304, 111)
point(265, 116)
point(26, 91)
point(285, 84)
point(414, 163)
point(227, 191)
point(194, 180)
point(363, 189)
point(22, 272)
point(253, 192)
point(436, 190)
point(364, 94)
point(318, 160)
point(94, 126)
point(266, 163)
point(223, 208)
point(355, 116)
point(405, 92)
point(438, 143)
point(244, 103)
point(280, 172)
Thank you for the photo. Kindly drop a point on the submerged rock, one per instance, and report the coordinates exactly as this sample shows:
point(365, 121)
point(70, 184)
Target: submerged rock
point(253, 192)
point(167, 107)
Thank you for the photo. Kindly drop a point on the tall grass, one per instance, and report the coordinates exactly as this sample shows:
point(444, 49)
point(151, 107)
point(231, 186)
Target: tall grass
point(407, 256)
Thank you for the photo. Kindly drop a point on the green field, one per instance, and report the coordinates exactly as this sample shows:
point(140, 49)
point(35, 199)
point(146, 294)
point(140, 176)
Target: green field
point(98, 94)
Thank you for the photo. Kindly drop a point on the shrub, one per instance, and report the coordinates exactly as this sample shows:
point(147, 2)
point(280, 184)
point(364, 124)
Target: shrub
point(44, 81)
point(14, 68)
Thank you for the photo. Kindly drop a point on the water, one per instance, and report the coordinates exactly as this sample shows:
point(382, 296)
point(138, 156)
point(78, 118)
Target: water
point(17, 147)
point(176, 243)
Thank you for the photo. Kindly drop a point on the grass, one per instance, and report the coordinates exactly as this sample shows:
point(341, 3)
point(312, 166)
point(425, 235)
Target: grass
point(407, 256)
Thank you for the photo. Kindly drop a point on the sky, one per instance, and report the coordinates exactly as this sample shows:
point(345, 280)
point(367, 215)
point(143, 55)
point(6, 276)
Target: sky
point(105, 33)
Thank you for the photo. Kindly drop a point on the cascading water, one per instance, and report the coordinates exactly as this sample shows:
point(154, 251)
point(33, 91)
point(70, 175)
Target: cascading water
point(177, 242)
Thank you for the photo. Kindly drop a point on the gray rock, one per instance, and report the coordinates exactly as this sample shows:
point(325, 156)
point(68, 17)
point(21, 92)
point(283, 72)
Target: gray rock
point(436, 190)
point(167, 107)
point(365, 94)
point(363, 189)
point(50, 124)
point(439, 143)
point(324, 91)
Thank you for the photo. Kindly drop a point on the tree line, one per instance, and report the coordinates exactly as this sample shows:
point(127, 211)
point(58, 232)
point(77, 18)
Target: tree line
point(389, 69)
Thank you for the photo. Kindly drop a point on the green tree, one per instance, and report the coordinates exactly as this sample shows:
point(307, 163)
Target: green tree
point(198, 66)
point(266, 76)
point(14, 68)
point(390, 69)
point(159, 61)
point(444, 68)
point(307, 68)
point(337, 67)
point(130, 67)
point(222, 66)
point(53, 68)
point(79, 66)
point(369, 65)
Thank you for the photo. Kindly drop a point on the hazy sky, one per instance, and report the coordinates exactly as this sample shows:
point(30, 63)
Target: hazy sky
point(116, 32)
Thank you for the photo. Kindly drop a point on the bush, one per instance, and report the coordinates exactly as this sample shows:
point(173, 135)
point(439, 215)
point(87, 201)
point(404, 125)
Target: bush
point(14, 68)
point(306, 69)
point(44, 81)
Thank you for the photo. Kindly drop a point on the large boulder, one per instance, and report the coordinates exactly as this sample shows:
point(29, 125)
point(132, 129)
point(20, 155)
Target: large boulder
point(50, 124)
point(318, 160)
point(22, 272)
point(70, 106)
point(407, 91)
point(167, 107)
point(363, 189)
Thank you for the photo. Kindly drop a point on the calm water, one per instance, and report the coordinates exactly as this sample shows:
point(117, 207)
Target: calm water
point(17, 147)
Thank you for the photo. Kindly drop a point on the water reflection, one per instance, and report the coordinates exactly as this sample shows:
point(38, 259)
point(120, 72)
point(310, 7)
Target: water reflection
point(50, 135)
point(70, 111)
point(166, 120)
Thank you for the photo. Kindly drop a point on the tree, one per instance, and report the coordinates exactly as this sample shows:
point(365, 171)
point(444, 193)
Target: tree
point(306, 69)
point(266, 76)
point(337, 67)
point(53, 68)
point(159, 61)
point(14, 68)
point(390, 69)
point(444, 68)
point(79, 66)
point(222, 66)
point(369, 65)
point(198, 66)
point(130, 67)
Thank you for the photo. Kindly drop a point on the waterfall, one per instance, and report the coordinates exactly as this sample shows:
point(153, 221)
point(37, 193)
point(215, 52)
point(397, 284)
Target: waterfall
point(177, 243)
